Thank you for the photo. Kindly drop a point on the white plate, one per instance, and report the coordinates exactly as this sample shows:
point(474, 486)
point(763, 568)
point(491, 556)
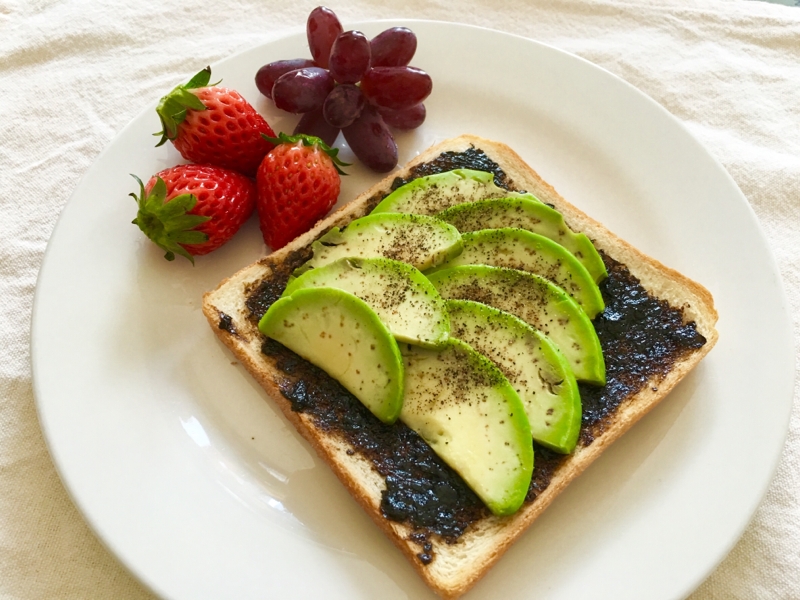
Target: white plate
point(191, 477)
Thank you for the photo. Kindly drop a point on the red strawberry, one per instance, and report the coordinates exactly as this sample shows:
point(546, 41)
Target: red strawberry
point(214, 125)
point(298, 183)
point(193, 209)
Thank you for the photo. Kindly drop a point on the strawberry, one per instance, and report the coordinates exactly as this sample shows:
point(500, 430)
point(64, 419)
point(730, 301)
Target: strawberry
point(193, 209)
point(298, 183)
point(214, 125)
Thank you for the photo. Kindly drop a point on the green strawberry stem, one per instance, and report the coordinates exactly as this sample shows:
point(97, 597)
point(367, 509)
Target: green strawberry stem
point(172, 108)
point(167, 223)
point(309, 140)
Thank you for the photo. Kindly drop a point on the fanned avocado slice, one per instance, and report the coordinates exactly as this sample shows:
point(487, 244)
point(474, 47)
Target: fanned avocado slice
point(343, 336)
point(418, 240)
point(466, 410)
point(526, 251)
point(532, 364)
point(526, 212)
point(433, 193)
point(403, 298)
point(541, 304)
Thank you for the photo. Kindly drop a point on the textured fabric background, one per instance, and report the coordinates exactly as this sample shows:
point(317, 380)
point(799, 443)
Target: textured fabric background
point(74, 72)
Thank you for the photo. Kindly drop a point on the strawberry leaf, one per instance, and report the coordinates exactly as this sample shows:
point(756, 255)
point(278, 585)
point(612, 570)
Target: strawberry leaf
point(200, 80)
point(190, 237)
point(172, 108)
point(309, 140)
point(168, 224)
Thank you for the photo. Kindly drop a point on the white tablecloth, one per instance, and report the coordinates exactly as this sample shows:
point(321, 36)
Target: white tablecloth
point(74, 72)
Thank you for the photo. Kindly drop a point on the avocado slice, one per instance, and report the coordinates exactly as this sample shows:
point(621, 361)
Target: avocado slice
point(419, 240)
point(533, 365)
point(541, 304)
point(433, 193)
point(343, 336)
point(526, 212)
point(467, 411)
point(526, 251)
point(403, 298)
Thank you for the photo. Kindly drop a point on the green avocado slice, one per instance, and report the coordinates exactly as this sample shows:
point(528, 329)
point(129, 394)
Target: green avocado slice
point(433, 193)
point(343, 336)
point(526, 212)
point(467, 411)
point(526, 251)
point(532, 364)
point(402, 297)
point(418, 240)
point(538, 302)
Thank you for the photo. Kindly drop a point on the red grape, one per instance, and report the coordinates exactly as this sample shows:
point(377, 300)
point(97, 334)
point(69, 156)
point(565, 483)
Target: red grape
point(343, 105)
point(322, 28)
point(302, 90)
point(394, 47)
point(396, 88)
point(350, 57)
point(266, 75)
point(371, 141)
point(351, 84)
point(407, 118)
point(313, 123)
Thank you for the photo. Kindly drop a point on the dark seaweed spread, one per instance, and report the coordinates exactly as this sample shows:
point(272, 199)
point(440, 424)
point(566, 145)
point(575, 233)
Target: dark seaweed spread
point(641, 337)
point(419, 485)
point(471, 158)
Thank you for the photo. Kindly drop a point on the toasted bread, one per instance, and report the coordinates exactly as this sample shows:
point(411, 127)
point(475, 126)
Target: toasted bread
point(452, 563)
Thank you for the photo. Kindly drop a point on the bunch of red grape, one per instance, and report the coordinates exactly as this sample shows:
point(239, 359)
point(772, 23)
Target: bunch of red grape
point(353, 85)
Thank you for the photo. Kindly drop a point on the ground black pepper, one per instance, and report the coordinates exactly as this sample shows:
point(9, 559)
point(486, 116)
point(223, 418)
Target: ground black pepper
point(420, 487)
point(641, 336)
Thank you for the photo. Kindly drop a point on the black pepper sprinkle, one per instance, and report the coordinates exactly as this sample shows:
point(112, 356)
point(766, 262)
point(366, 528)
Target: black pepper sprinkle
point(641, 337)
point(420, 487)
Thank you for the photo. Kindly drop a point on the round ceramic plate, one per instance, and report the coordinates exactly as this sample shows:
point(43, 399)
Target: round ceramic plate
point(189, 474)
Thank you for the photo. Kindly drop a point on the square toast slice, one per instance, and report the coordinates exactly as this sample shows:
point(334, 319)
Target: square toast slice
point(451, 556)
